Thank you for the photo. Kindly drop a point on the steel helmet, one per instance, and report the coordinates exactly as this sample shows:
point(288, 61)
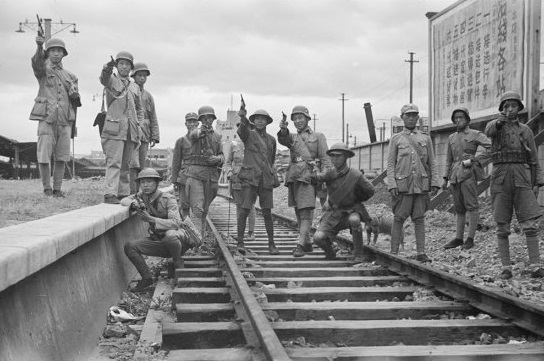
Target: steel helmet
point(206, 110)
point(55, 43)
point(460, 109)
point(511, 95)
point(148, 173)
point(301, 109)
point(191, 115)
point(260, 112)
point(342, 148)
point(125, 55)
point(140, 67)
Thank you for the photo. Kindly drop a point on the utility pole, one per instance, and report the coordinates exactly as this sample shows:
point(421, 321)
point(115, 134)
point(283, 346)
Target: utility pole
point(411, 61)
point(35, 26)
point(347, 135)
point(314, 121)
point(343, 100)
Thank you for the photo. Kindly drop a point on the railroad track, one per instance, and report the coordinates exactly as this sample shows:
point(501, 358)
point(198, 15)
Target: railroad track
point(263, 307)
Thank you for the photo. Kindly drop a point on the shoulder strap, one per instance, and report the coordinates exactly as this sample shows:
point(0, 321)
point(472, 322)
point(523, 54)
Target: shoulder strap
point(347, 183)
point(412, 144)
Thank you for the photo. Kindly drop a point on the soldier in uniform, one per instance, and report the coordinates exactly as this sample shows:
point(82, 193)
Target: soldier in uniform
point(182, 149)
point(165, 239)
point(411, 174)
point(121, 132)
point(149, 127)
point(55, 110)
point(463, 171)
point(347, 188)
point(257, 174)
point(308, 151)
point(515, 182)
point(203, 166)
point(234, 158)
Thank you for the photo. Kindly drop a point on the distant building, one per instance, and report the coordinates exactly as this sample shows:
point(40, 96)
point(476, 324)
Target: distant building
point(159, 158)
point(227, 128)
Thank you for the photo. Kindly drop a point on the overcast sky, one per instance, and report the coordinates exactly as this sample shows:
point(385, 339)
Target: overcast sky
point(276, 53)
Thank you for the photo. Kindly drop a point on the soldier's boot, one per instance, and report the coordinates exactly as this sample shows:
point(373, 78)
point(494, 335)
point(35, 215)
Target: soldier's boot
point(456, 242)
point(469, 243)
point(358, 245)
point(241, 225)
point(396, 235)
point(269, 226)
point(304, 235)
point(323, 241)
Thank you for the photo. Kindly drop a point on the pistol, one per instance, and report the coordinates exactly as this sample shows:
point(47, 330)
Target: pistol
point(40, 27)
point(242, 102)
point(140, 205)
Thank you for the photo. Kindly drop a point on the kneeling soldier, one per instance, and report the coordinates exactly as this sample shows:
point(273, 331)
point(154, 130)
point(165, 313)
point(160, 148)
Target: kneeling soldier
point(165, 239)
point(347, 188)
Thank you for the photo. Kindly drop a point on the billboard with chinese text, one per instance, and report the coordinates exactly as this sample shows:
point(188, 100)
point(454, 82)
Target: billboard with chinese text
point(478, 51)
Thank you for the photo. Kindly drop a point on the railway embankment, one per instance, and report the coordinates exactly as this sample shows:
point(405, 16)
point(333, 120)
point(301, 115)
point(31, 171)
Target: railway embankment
point(58, 277)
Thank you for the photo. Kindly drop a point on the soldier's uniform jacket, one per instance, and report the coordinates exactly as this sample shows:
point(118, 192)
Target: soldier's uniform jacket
point(347, 187)
point(125, 111)
point(52, 103)
point(182, 149)
point(410, 170)
point(259, 157)
point(513, 148)
point(150, 125)
point(299, 170)
point(459, 144)
point(204, 146)
point(234, 158)
point(161, 205)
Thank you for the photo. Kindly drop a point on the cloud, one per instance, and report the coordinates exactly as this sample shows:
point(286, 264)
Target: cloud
point(277, 53)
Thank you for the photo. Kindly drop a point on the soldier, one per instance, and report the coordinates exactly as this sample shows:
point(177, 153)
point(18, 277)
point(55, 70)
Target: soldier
point(308, 150)
point(257, 174)
point(149, 127)
point(203, 166)
point(120, 134)
point(515, 182)
point(55, 110)
point(234, 158)
point(347, 188)
point(411, 174)
point(463, 171)
point(165, 239)
point(182, 149)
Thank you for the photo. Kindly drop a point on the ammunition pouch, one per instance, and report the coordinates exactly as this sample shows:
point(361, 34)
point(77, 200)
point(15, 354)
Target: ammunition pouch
point(509, 156)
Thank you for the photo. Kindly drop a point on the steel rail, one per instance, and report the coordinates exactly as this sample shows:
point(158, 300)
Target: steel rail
point(270, 343)
point(519, 312)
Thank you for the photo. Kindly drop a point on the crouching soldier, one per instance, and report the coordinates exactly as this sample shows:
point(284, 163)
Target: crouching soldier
point(165, 239)
point(515, 182)
point(347, 188)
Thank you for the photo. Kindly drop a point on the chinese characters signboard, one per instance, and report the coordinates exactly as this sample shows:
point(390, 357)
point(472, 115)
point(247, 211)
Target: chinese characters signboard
point(477, 50)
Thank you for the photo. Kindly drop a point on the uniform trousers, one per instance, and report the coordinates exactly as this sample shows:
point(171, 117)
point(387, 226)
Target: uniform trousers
point(118, 154)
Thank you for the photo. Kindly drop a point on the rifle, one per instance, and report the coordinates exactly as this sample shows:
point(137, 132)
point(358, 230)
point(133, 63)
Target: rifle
point(40, 27)
point(193, 235)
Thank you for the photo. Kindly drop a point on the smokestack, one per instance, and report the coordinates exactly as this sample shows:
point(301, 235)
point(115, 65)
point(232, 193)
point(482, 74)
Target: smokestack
point(370, 122)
